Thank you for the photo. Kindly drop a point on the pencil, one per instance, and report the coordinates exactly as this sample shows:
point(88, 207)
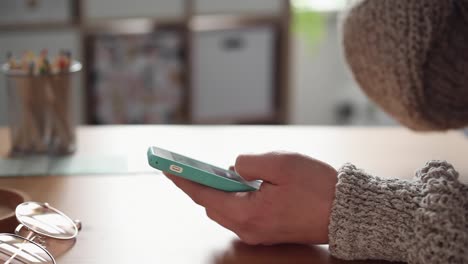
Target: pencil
point(41, 118)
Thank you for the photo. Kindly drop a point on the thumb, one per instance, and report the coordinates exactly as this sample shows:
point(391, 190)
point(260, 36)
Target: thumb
point(269, 167)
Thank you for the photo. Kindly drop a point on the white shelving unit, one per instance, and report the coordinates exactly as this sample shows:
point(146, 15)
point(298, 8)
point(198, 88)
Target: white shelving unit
point(249, 89)
point(117, 9)
point(227, 82)
point(239, 7)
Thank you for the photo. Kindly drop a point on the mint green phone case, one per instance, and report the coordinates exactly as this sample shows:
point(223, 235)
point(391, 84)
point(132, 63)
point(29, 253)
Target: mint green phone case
point(198, 171)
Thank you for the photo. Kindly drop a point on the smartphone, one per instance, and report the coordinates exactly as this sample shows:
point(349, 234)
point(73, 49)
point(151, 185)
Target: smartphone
point(199, 172)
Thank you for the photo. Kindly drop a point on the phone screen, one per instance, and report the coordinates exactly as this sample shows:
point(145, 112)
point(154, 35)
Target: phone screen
point(199, 165)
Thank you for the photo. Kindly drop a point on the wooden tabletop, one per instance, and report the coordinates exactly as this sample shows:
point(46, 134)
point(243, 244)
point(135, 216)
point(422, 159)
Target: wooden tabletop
point(143, 218)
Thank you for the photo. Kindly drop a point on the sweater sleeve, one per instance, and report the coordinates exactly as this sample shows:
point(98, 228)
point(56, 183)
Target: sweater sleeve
point(419, 221)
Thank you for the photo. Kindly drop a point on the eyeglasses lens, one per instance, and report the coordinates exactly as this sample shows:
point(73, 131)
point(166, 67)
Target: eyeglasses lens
point(46, 221)
point(17, 250)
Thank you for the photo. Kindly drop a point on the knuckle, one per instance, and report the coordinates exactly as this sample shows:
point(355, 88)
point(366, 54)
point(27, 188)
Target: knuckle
point(288, 162)
point(256, 222)
point(251, 220)
point(196, 199)
point(210, 215)
point(288, 157)
point(247, 224)
point(240, 160)
point(250, 239)
point(243, 219)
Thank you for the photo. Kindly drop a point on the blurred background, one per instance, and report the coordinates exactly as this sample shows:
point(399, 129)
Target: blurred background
point(195, 61)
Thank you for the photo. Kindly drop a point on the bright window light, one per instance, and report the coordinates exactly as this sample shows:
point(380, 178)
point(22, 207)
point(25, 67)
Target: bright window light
point(320, 5)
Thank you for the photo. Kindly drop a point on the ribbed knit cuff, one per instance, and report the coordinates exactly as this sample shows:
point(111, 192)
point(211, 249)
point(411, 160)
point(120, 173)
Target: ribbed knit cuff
point(371, 217)
point(422, 221)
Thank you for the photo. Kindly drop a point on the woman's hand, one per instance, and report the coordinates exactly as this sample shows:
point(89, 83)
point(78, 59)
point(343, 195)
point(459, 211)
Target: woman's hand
point(293, 204)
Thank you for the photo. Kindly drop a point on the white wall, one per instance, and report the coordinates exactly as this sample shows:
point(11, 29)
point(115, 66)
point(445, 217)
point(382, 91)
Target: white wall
point(320, 80)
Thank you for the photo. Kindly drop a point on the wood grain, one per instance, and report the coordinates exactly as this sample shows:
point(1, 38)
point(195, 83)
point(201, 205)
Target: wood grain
point(145, 219)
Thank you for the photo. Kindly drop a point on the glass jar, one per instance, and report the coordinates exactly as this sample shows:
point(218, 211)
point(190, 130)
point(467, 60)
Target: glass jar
point(40, 111)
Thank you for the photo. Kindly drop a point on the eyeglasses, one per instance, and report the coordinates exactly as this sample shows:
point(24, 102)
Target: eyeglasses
point(40, 224)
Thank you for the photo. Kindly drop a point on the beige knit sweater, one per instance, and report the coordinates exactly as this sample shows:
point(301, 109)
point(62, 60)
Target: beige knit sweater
point(411, 58)
point(421, 221)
